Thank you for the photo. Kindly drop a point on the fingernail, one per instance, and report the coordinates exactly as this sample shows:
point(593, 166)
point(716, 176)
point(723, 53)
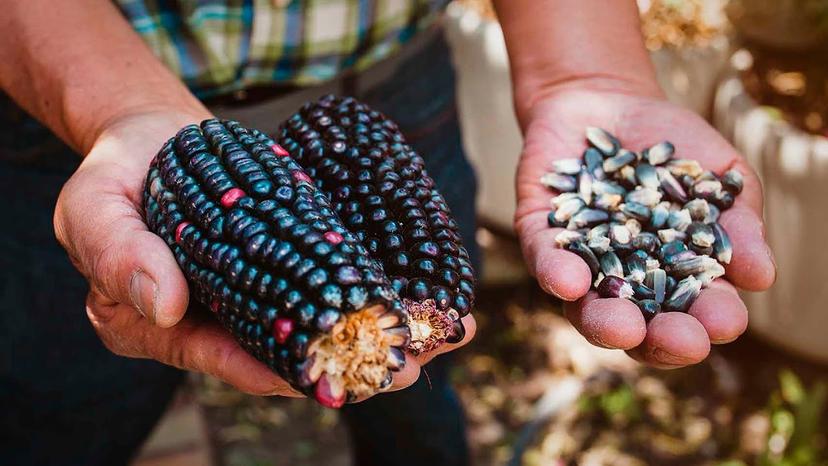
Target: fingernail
point(142, 292)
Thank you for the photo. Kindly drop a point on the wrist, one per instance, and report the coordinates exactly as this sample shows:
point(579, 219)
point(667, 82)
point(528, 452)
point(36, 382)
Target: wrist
point(529, 92)
point(170, 115)
point(561, 45)
point(131, 139)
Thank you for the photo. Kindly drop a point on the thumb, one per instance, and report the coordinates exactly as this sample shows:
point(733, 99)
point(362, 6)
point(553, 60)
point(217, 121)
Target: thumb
point(139, 269)
point(123, 261)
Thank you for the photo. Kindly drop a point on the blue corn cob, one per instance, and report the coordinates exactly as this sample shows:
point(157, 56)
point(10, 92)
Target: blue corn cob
point(263, 250)
point(379, 186)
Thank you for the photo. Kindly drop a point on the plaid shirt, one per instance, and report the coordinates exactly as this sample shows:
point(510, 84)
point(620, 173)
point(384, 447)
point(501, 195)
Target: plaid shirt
point(220, 46)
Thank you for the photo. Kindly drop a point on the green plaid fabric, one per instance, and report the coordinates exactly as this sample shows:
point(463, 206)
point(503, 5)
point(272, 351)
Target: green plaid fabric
point(220, 46)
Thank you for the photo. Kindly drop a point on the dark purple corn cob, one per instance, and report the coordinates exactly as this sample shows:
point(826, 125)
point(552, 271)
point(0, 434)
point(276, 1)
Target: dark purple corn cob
point(379, 186)
point(262, 248)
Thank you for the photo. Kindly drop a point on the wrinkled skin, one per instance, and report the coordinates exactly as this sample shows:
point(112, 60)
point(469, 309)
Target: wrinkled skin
point(138, 296)
point(554, 128)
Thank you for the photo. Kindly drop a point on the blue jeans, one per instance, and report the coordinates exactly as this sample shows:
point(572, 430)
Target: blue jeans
point(67, 401)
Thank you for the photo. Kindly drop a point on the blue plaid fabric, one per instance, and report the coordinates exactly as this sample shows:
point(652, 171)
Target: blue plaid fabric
point(220, 46)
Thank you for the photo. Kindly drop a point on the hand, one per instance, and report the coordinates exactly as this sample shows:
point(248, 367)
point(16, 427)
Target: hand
point(138, 296)
point(554, 128)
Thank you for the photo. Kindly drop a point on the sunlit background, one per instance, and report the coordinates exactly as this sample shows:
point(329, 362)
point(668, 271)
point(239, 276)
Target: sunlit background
point(535, 392)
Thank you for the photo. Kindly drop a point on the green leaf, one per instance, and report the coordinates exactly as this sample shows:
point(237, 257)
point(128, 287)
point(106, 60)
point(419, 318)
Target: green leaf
point(792, 390)
point(783, 421)
point(808, 416)
point(620, 402)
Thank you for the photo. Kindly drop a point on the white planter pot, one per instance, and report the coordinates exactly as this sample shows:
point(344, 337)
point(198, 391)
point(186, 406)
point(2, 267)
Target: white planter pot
point(491, 135)
point(689, 75)
point(793, 166)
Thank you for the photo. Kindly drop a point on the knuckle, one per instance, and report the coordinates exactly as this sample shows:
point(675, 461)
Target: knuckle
point(101, 268)
point(120, 333)
point(100, 310)
point(177, 350)
point(223, 355)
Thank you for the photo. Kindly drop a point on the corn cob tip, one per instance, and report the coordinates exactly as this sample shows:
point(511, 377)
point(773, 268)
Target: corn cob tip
point(355, 359)
point(429, 326)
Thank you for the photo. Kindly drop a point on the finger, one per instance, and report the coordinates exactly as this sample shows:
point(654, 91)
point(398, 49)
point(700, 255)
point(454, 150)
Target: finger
point(637, 353)
point(471, 328)
point(407, 375)
point(674, 339)
point(197, 344)
point(721, 312)
point(752, 266)
point(120, 257)
point(413, 364)
point(751, 195)
point(559, 272)
point(608, 323)
point(402, 379)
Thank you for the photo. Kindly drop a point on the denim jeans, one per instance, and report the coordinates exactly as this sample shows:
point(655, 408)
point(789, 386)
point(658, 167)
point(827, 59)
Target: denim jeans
point(68, 401)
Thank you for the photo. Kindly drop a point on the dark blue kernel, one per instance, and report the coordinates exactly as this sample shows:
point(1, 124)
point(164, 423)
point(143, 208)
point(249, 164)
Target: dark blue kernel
point(251, 310)
point(363, 261)
point(291, 260)
point(427, 249)
point(393, 242)
point(467, 273)
point(262, 286)
point(399, 261)
point(461, 304)
point(331, 295)
point(279, 286)
point(299, 345)
point(281, 251)
point(252, 230)
point(234, 271)
point(286, 222)
point(291, 299)
point(448, 277)
point(303, 267)
point(418, 234)
point(337, 258)
point(424, 267)
point(419, 289)
point(466, 287)
point(357, 297)
point(347, 275)
point(442, 297)
point(248, 277)
point(450, 247)
point(327, 319)
point(304, 314)
point(297, 232)
point(399, 284)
